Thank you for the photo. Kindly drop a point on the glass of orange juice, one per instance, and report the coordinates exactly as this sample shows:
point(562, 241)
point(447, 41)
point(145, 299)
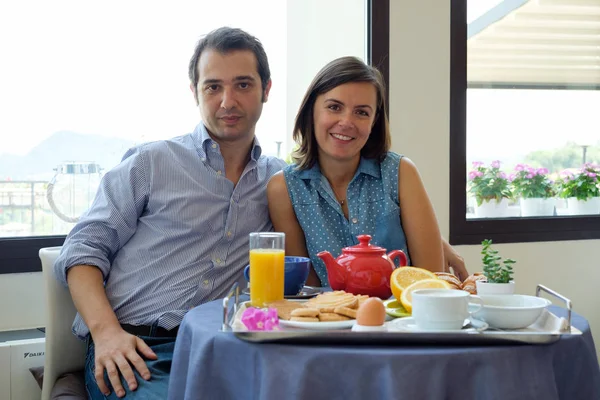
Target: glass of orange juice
point(267, 267)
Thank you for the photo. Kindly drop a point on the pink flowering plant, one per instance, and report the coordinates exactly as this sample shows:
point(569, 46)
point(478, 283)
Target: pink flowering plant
point(583, 185)
point(532, 183)
point(258, 319)
point(488, 183)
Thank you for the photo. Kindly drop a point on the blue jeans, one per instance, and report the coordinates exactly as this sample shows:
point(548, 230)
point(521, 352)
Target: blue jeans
point(155, 388)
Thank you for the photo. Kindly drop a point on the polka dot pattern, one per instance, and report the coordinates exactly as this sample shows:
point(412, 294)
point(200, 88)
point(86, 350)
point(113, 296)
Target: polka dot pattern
point(372, 199)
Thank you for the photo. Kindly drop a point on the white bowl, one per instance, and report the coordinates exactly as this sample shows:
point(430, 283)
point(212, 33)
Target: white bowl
point(514, 311)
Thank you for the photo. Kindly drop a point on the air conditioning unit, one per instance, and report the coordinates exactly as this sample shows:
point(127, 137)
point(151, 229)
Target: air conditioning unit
point(19, 351)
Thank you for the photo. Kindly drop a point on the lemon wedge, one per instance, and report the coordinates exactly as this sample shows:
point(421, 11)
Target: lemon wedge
point(403, 277)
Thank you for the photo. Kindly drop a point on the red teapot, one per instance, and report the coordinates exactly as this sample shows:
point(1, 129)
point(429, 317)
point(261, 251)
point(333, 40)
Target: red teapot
point(363, 268)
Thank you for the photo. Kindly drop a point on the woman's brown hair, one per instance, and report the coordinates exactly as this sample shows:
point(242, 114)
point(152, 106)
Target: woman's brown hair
point(338, 72)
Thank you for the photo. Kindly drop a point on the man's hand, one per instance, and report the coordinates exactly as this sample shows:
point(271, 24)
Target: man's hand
point(453, 260)
point(117, 351)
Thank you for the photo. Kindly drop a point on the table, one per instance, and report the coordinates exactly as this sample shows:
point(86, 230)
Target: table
point(210, 364)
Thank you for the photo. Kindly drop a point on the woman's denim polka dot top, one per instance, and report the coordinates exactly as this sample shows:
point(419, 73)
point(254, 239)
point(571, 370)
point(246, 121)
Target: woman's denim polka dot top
point(372, 199)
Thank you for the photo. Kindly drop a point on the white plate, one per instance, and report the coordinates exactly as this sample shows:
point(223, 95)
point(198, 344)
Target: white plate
point(318, 326)
point(408, 324)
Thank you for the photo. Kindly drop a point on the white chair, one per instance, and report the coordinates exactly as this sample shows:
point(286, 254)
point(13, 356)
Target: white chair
point(64, 352)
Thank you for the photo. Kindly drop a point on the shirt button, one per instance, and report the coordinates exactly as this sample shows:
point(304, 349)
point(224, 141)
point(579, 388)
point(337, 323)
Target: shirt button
point(219, 172)
point(205, 283)
point(229, 234)
point(214, 145)
point(218, 261)
point(354, 220)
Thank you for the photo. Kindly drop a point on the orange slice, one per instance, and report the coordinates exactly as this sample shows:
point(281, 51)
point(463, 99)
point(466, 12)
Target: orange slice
point(403, 277)
point(406, 298)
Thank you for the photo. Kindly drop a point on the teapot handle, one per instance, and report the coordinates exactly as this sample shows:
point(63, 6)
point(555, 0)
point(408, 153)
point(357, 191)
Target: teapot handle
point(400, 255)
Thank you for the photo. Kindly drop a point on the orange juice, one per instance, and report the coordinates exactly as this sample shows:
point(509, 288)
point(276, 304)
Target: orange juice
point(267, 270)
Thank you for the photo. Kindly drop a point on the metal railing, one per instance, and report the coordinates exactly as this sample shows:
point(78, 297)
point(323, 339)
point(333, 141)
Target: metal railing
point(24, 210)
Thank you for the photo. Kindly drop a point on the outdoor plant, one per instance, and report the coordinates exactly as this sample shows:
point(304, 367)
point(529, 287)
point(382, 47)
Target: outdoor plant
point(532, 183)
point(583, 185)
point(495, 269)
point(488, 183)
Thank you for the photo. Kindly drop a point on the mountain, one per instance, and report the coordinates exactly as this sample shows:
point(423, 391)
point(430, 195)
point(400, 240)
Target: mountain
point(60, 147)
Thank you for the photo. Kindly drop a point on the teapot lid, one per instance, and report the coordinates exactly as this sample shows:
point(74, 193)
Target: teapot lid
point(364, 246)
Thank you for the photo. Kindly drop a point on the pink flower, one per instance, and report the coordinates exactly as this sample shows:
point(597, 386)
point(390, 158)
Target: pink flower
point(479, 174)
point(529, 176)
point(477, 164)
point(519, 167)
point(512, 177)
point(591, 174)
point(496, 164)
point(542, 171)
point(256, 319)
point(501, 175)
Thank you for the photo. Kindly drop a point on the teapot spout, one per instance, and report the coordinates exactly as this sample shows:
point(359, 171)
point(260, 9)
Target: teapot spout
point(335, 272)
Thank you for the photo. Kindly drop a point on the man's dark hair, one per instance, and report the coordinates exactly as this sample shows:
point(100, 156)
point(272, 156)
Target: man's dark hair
point(228, 39)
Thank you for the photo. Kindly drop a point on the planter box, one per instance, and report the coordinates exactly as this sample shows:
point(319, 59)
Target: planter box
point(492, 209)
point(583, 207)
point(537, 207)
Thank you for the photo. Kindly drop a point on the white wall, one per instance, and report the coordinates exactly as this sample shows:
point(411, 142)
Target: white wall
point(22, 301)
point(419, 110)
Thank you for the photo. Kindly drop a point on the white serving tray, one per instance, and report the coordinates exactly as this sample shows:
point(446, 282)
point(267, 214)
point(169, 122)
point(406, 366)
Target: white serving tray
point(548, 328)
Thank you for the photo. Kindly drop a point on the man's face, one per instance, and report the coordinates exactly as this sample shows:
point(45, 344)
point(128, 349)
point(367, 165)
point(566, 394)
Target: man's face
point(230, 94)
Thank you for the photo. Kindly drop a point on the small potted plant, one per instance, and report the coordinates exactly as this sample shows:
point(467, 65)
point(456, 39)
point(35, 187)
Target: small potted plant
point(491, 189)
point(535, 189)
point(498, 272)
point(582, 190)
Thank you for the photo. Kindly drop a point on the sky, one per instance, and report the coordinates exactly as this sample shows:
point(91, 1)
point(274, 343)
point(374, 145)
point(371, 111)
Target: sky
point(116, 68)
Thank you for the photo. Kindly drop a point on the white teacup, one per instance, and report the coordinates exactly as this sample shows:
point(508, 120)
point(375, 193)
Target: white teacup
point(442, 309)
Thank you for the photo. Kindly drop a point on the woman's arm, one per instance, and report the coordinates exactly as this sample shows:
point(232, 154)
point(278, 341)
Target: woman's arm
point(284, 220)
point(420, 225)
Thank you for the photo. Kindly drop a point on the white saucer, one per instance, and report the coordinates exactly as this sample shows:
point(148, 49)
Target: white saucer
point(318, 326)
point(408, 325)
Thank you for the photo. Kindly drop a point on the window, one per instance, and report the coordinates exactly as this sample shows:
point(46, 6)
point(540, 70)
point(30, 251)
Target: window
point(525, 130)
point(84, 82)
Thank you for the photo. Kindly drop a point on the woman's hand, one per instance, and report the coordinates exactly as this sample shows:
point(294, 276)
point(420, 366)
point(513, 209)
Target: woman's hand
point(453, 260)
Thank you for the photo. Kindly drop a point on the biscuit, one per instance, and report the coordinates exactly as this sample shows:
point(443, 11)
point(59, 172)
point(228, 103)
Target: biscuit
point(285, 308)
point(327, 302)
point(304, 319)
point(332, 317)
point(346, 311)
point(361, 299)
point(305, 312)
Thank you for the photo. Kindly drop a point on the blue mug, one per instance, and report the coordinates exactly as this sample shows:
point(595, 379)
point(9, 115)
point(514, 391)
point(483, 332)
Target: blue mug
point(296, 272)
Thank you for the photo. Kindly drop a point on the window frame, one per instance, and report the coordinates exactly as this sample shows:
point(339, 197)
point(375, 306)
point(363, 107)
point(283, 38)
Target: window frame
point(20, 254)
point(505, 230)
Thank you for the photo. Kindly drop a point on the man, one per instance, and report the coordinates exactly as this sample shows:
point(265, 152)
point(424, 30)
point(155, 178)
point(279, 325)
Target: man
point(169, 227)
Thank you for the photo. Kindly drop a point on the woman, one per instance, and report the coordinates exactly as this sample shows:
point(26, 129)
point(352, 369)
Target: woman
point(345, 182)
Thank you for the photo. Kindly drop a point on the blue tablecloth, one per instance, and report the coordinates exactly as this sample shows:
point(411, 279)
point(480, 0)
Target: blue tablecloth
point(209, 364)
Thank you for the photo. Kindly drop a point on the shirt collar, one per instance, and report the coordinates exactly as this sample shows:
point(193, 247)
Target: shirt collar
point(202, 141)
point(369, 166)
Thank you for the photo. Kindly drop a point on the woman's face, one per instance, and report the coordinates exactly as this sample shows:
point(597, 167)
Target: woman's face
point(343, 118)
